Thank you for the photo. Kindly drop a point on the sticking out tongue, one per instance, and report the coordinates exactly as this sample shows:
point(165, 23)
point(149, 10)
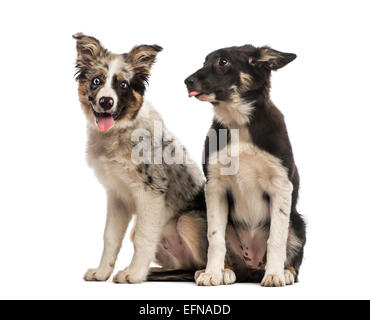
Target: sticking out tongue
point(193, 94)
point(105, 122)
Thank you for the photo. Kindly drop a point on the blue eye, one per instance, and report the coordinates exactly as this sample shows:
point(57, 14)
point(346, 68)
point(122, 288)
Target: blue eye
point(96, 81)
point(123, 85)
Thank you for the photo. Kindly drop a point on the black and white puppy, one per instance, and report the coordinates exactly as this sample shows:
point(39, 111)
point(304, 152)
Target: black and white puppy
point(252, 215)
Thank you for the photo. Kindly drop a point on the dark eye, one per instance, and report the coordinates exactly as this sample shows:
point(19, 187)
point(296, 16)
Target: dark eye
point(223, 62)
point(96, 81)
point(123, 85)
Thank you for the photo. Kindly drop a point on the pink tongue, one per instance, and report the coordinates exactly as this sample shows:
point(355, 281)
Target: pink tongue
point(105, 123)
point(193, 93)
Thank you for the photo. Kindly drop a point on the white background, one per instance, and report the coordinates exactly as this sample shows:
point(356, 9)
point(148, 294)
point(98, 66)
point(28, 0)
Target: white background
point(52, 209)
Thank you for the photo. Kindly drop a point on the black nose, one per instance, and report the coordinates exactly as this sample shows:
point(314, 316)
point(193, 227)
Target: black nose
point(106, 102)
point(190, 81)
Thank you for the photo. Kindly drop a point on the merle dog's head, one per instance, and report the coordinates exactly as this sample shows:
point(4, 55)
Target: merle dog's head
point(112, 86)
point(236, 73)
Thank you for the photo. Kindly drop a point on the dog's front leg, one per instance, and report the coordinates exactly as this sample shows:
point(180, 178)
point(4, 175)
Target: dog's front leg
point(152, 215)
point(217, 215)
point(280, 206)
point(116, 225)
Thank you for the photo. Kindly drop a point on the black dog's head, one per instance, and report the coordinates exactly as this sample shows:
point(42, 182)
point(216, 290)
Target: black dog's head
point(111, 86)
point(236, 73)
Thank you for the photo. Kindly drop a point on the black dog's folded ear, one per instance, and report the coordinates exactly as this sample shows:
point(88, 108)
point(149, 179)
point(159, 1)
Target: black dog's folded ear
point(271, 59)
point(88, 48)
point(142, 58)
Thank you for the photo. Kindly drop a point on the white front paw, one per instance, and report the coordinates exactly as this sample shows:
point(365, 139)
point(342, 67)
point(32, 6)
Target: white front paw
point(224, 277)
point(128, 276)
point(99, 274)
point(274, 279)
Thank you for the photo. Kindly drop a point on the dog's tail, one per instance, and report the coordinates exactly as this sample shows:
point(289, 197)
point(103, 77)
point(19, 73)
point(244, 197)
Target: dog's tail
point(160, 274)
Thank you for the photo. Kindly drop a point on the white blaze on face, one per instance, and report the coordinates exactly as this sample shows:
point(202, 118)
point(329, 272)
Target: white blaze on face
point(108, 91)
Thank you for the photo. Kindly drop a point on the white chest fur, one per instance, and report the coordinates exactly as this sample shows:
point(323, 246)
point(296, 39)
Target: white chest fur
point(257, 174)
point(110, 157)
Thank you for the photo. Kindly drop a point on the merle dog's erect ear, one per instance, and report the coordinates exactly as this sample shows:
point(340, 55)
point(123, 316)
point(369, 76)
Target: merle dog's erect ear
point(142, 58)
point(88, 48)
point(271, 59)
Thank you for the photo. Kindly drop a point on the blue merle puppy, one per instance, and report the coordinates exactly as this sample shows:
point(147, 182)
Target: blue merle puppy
point(166, 197)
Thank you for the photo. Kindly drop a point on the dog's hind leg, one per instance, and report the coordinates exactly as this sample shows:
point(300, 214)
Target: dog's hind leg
point(183, 244)
point(192, 228)
point(183, 248)
point(118, 219)
point(295, 247)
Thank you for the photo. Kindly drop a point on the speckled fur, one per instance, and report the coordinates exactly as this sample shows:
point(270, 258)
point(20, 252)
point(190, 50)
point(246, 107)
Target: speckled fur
point(167, 199)
point(110, 156)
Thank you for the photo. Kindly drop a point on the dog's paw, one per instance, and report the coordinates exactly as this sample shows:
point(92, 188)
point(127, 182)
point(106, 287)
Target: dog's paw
point(225, 277)
point(126, 276)
point(273, 279)
point(98, 274)
point(229, 276)
point(209, 279)
point(289, 277)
